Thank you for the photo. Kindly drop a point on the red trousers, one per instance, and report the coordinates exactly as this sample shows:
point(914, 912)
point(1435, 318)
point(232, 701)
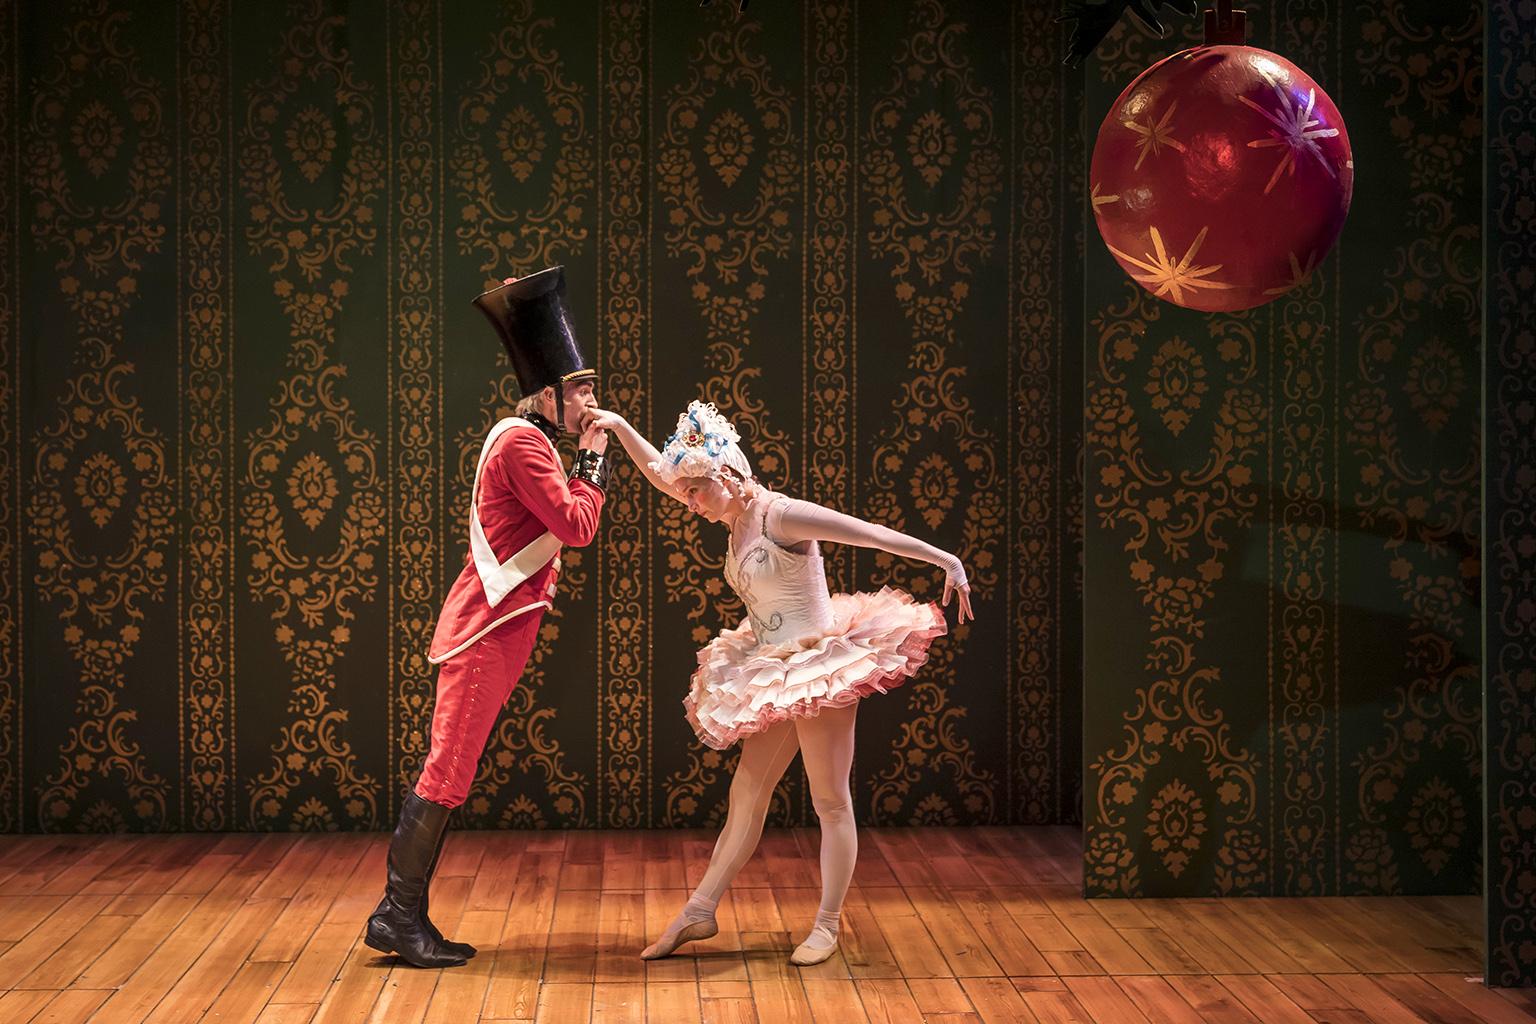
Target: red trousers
point(472, 688)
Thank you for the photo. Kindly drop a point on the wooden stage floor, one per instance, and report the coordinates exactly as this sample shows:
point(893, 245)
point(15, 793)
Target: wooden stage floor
point(943, 925)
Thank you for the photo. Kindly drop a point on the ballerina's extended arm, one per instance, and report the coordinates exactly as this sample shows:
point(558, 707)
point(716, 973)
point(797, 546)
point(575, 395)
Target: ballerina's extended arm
point(641, 451)
point(791, 521)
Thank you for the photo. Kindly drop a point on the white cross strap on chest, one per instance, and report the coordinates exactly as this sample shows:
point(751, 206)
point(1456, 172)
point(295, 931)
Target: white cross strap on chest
point(497, 577)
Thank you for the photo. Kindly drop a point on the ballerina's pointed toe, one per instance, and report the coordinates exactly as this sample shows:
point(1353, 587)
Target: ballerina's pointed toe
point(666, 946)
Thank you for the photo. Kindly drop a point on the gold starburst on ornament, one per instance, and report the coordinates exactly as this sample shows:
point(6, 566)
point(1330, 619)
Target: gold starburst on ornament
point(1099, 200)
point(1294, 128)
point(1155, 135)
point(1300, 275)
point(1164, 276)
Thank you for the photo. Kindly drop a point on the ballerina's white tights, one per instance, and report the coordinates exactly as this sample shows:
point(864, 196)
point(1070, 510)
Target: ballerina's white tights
point(825, 743)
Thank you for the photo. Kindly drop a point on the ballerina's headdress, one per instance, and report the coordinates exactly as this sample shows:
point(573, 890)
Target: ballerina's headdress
point(703, 444)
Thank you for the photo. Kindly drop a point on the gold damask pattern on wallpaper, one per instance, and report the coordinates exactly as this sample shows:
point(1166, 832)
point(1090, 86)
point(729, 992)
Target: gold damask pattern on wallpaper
point(1509, 488)
point(207, 463)
point(521, 193)
point(932, 461)
point(100, 478)
point(1306, 471)
point(729, 173)
point(244, 388)
point(312, 481)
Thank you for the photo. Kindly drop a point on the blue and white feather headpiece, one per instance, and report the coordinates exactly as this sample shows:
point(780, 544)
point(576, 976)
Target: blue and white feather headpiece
point(703, 444)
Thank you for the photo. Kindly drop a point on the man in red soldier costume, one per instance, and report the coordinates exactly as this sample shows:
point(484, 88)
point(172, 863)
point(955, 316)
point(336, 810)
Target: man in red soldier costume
point(522, 509)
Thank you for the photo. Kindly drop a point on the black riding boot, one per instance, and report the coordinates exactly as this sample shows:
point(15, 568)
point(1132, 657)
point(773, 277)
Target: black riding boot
point(395, 926)
point(462, 948)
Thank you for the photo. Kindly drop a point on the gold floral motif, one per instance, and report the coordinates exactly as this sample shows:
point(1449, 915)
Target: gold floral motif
point(312, 486)
point(1435, 383)
point(100, 485)
point(416, 405)
point(1404, 483)
point(1176, 528)
point(933, 489)
point(728, 143)
point(1175, 823)
point(832, 254)
point(553, 225)
point(1436, 824)
point(310, 585)
point(1110, 865)
point(1176, 383)
point(931, 146)
point(550, 228)
point(101, 448)
point(931, 255)
point(311, 139)
point(1371, 866)
point(96, 134)
point(624, 756)
point(724, 111)
point(521, 141)
point(1240, 863)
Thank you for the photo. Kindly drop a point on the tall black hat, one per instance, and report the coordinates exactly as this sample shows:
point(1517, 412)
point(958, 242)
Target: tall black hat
point(534, 324)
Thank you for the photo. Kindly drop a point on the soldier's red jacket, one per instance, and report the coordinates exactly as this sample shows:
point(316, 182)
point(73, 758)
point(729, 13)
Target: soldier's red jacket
point(522, 510)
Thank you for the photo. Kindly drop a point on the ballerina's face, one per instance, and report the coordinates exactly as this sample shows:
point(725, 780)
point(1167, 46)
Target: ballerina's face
point(706, 496)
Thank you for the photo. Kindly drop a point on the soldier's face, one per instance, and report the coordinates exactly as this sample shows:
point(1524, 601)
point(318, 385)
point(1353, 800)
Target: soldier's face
point(577, 401)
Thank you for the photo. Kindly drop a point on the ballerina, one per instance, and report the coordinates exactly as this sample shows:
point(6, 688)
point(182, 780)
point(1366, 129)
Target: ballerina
point(789, 677)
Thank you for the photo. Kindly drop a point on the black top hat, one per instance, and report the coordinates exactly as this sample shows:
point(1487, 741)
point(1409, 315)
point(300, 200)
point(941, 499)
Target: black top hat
point(534, 325)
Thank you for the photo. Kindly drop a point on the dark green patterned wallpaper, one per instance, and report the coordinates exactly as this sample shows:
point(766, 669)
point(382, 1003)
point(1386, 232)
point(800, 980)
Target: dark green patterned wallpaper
point(1282, 512)
point(243, 387)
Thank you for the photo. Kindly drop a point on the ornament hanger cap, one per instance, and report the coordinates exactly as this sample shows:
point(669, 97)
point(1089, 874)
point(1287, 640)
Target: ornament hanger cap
point(1224, 26)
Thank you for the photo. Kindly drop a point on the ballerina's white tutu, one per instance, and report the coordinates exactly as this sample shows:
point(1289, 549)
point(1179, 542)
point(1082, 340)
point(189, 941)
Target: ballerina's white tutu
point(800, 649)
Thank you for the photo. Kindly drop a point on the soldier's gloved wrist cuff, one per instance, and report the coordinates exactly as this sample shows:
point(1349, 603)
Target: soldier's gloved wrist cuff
point(591, 467)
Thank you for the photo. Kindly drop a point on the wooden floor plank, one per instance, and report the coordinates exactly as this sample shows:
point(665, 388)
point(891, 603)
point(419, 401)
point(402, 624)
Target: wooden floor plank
point(19, 1006)
point(1106, 1000)
point(672, 1001)
point(1212, 1000)
point(50, 935)
point(1488, 1004)
point(997, 1001)
point(1371, 999)
point(74, 1006)
point(834, 1001)
point(216, 964)
point(1263, 999)
point(247, 994)
point(75, 956)
point(777, 988)
point(565, 1003)
point(941, 926)
point(1426, 1000)
point(727, 1002)
point(1158, 1001)
point(955, 935)
point(888, 1001)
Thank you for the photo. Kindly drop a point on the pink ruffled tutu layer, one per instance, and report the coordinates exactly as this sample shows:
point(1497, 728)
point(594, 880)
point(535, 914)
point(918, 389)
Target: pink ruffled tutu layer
point(875, 643)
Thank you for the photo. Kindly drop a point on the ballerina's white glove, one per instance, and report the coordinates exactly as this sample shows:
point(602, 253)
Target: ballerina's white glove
point(792, 521)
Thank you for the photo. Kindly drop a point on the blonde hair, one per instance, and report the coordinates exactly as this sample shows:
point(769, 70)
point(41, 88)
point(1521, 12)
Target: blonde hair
point(527, 404)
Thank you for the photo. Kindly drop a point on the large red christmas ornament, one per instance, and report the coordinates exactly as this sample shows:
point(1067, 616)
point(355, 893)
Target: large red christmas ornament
point(1222, 175)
